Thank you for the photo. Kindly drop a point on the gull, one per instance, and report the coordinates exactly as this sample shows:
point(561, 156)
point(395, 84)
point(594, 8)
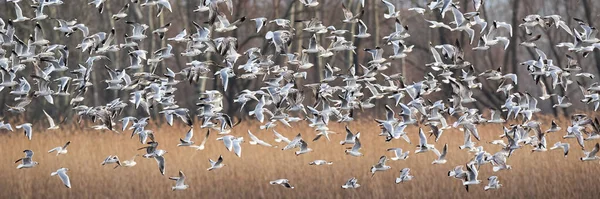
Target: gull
point(161, 4)
point(5, 126)
point(237, 148)
point(377, 54)
point(223, 24)
point(280, 138)
point(354, 151)
point(400, 50)
point(477, 4)
point(350, 137)
point(60, 150)
point(496, 117)
point(362, 30)
point(303, 148)
point(260, 23)
point(255, 140)
point(553, 128)
point(559, 23)
point(380, 166)
point(228, 141)
point(283, 182)
point(441, 156)
point(27, 130)
point(493, 183)
point(216, 165)
point(462, 24)
point(392, 13)
point(294, 143)
point(423, 146)
point(110, 160)
point(50, 121)
point(126, 121)
point(471, 177)
point(122, 13)
point(562, 102)
point(26, 162)
point(179, 182)
point(19, 14)
point(181, 37)
point(436, 24)
point(160, 160)
point(310, 3)
point(399, 155)
point(62, 173)
point(404, 176)
point(507, 26)
point(201, 146)
point(565, 146)
point(591, 155)
point(351, 184)
point(187, 141)
point(98, 4)
point(457, 172)
point(161, 31)
point(284, 23)
point(349, 17)
point(138, 31)
point(337, 32)
point(127, 163)
point(312, 45)
point(418, 10)
point(320, 162)
point(499, 160)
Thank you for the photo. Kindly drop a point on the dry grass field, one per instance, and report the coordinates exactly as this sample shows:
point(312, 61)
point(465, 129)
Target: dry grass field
point(533, 175)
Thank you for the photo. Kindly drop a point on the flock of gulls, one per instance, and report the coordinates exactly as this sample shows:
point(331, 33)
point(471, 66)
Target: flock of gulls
point(280, 100)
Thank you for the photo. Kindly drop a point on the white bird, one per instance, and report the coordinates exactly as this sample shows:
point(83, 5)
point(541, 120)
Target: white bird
point(320, 162)
point(471, 178)
point(380, 166)
point(201, 146)
point(351, 184)
point(110, 160)
point(399, 155)
point(350, 137)
point(303, 148)
point(354, 151)
point(62, 173)
point(404, 176)
point(254, 140)
point(179, 182)
point(260, 23)
point(60, 150)
point(591, 155)
point(27, 129)
point(187, 141)
point(127, 163)
point(362, 30)
point(216, 165)
point(50, 121)
point(283, 182)
point(237, 148)
point(565, 146)
point(19, 14)
point(493, 183)
point(441, 156)
point(27, 161)
point(392, 13)
point(423, 146)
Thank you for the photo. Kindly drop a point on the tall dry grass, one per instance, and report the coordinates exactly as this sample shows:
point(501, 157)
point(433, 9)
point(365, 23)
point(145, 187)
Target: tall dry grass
point(534, 175)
